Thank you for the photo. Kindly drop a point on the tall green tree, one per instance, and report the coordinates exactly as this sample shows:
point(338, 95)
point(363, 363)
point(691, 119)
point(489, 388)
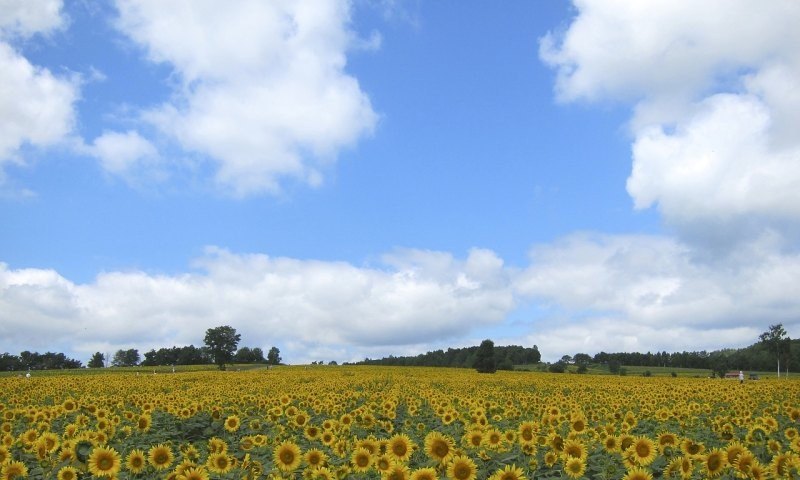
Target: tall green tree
point(484, 357)
point(97, 360)
point(776, 341)
point(221, 342)
point(274, 356)
point(126, 358)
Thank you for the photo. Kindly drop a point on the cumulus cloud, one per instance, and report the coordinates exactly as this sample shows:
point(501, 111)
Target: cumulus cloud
point(307, 307)
point(637, 292)
point(262, 88)
point(125, 154)
point(715, 106)
point(36, 107)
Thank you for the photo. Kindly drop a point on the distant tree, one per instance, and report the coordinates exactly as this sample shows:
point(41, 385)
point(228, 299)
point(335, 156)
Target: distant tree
point(558, 367)
point(566, 359)
point(582, 368)
point(126, 358)
point(274, 356)
point(614, 366)
point(484, 358)
point(776, 341)
point(505, 364)
point(97, 360)
point(333, 362)
point(249, 355)
point(582, 359)
point(221, 342)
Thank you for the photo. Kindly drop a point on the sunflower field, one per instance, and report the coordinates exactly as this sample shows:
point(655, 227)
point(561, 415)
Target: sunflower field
point(395, 423)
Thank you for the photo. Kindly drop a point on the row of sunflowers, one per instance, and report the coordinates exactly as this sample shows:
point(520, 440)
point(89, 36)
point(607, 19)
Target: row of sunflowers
point(395, 423)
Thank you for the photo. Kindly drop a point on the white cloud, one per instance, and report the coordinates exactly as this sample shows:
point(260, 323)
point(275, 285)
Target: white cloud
point(263, 88)
point(36, 107)
point(26, 18)
point(124, 154)
point(310, 307)
point(716, 107)
point(631, 292)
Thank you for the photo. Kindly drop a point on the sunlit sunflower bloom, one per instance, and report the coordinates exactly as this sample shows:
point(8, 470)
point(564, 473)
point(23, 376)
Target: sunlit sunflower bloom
point(494, 439)
point(397, 471)
point(509, 472)
point(217, 445)
point(438, 447)
point(643, 451)
point(692, 448)
point(328, 438)
point(556, 442)
point(195, 473)
point(424, 474)
point(286, 456)
point(714, 462)
point(462, 468)
point(67, 473)
point(638, 474)
point(135, 462)
point(550, 458)
point(758, 471)
point(574, 467)
point(574, 449)
point(104, 462)
point(782, 464)
point(323, 474)
point(219, 462)
point(5, 455)
point(744, 463)
point(315, 457)
point(232, 423)
point(383, 463)
point(13, 469)
point(666, 440)
point(361, 460)
point(527, 432)
point(400, 447)
point(611, 444)
point(160, 456)
point(473, 438)
point(143, 423)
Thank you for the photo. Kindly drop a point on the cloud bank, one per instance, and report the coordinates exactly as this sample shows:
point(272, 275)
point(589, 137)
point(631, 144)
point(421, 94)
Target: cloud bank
point(37, 108)
point(260, 88)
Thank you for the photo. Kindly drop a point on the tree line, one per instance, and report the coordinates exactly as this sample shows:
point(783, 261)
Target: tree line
point(220, 348)
point(504, 357)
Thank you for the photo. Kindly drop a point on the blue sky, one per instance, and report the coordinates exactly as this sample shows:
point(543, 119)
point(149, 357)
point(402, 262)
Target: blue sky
point(351, 179)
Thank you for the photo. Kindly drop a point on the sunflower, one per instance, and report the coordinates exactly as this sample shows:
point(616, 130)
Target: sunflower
point(556, 442)
point(509, 472)
point(4, 454)
point(692, 448)
point(714, 462)
point(462, 468)
point(424, 474)
point(217, 445)
point(361, 460)
point(194, 473)
point(638, 474)
point(574, 449)
point(67, 473)
point(550, 458)
point(219, 462)
point(744, 463)
point(438, 447)
point(315, 458)
point(666, 440)
point(575, 467)
point(494, 439)
point(104, 462)
point(383, 463)
point(473, 438)
point(611, 444)
point(642, 451)
point(397, 471)
point(286, 456)
point(13, 469)
point(135, 462)
point(527, 432)
point(781, 465)
point(400, 447)
point(323, 474)
point(160, 456)
point(232, 423)
point(143, 423)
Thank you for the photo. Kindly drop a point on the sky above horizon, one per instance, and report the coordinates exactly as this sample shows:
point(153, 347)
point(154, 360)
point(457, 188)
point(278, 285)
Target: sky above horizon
point(351, 179)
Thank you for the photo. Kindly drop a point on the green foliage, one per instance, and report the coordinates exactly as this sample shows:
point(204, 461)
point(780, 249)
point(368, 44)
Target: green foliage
point(484, 357)
point(274, 356)
point(558, 367)
point(221, 342)
point(97, 361)
point(126, 358)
